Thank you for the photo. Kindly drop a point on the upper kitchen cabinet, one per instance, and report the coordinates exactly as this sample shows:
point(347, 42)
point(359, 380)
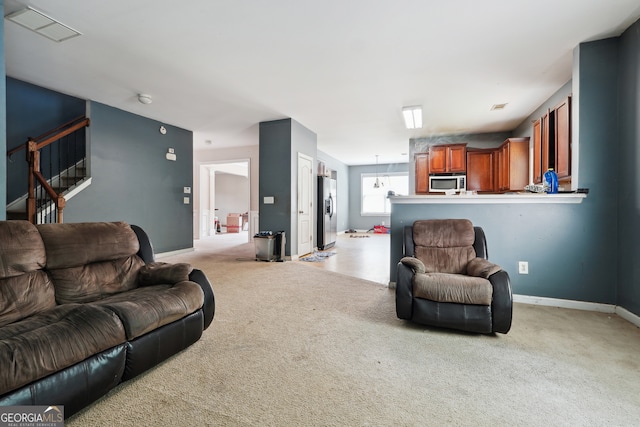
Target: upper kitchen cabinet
point(537, 151)
point(422, 173)
point(448, 158)
point(513, 164)
point(481, 170)
point(562, 131)
point(552, 142)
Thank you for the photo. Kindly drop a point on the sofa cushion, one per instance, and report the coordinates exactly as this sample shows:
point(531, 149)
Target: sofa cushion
point(444, 245)
point(97, 280)
point(25, 295)
point(74, 245)
point(455, 288)
point(53, 340)
point(22, 249)
point(145, 309)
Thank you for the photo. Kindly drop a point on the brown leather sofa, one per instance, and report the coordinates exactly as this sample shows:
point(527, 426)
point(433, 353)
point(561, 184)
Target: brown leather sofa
point(446, 280)
point(84, 307)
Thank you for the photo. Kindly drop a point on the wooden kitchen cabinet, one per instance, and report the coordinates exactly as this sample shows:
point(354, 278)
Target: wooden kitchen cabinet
point(562, 131)
point(537, 151)
point(513, 164)
point(481, 170)
point(552, 142)
point(422, 173)
point(448, 158)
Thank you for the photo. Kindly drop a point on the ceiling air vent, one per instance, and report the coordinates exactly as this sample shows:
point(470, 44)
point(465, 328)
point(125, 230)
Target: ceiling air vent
point(42, 24)
point(498, 106)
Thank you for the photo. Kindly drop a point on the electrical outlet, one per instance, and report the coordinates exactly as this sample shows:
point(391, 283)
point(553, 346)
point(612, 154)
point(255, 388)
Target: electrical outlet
point(523, 267)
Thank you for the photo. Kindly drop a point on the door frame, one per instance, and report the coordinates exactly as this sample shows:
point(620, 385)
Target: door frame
point(207, 207)
point(301, 250)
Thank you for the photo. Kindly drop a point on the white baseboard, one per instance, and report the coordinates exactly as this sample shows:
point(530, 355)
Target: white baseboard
point(628, 316)
point(565, 303)
point(579, 305)
point(171, 253)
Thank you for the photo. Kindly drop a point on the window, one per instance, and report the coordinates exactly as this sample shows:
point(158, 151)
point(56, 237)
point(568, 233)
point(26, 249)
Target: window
point(374, 200)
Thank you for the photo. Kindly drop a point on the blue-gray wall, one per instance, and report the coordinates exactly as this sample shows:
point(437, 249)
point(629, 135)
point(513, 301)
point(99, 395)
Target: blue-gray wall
point(356, 219)
point(628, 184)
point(3, 125)
point(31, 111)
point(572, 249)
point(132, 180)
point(280, 141)
point(275, 175)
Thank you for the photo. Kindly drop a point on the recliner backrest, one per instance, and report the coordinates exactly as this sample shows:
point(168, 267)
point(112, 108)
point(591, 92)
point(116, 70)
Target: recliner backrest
point(444, 245)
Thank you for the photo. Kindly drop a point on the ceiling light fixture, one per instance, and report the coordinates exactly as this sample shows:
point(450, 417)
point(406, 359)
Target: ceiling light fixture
point(144, 98)
point(498, 106)
point(412, 117)
point(378, 183)
point(42, 24)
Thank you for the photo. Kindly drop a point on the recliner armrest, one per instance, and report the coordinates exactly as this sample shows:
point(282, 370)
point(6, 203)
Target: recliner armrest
point(414, 263)
point(162, 273)
point(480, 267)
point(502, 304)
point(404, 291)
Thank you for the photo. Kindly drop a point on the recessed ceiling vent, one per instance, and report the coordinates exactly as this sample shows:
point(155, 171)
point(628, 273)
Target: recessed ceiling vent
point(498, 106)
point(42, 24)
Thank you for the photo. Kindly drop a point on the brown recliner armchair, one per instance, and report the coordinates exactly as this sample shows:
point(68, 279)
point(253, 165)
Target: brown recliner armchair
point(446, 280)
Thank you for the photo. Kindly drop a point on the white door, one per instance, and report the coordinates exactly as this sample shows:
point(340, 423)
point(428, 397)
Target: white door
point(305, 204)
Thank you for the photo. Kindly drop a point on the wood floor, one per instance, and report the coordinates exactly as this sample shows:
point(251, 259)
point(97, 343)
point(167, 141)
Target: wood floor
point(362, 255)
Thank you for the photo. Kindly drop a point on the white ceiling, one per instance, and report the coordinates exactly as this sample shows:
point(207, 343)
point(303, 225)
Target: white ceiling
point(344, 69)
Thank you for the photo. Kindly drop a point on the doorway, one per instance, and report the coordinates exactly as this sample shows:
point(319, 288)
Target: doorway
point(225, 200)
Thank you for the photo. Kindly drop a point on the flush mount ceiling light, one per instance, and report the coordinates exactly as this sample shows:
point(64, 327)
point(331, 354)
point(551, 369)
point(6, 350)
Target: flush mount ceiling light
point(412, 117)
point(42, 24)
point(144, 98)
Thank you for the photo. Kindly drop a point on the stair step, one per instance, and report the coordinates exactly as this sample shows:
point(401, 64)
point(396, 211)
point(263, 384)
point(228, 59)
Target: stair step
point(14, 215)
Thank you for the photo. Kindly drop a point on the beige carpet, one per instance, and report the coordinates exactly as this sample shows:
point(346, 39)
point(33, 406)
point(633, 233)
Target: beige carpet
point(294, 345)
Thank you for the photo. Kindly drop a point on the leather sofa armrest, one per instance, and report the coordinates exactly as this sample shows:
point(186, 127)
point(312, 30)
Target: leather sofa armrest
point(209, 306)
point(146, 248)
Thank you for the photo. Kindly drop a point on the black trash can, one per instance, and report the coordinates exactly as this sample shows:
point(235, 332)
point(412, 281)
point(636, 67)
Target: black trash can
point(280, 242)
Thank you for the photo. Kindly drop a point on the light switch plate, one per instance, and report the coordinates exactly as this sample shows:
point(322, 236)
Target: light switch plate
point(187, 190)
point(269, 200)
point(186, 200)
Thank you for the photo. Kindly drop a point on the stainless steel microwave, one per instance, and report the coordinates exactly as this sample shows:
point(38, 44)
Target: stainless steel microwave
point(444, 183)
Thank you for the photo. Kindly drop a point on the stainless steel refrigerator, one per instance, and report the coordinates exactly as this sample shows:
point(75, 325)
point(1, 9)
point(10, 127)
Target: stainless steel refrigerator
point(327, 217)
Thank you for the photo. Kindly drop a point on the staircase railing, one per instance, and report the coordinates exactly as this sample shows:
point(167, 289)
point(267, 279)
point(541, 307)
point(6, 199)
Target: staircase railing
point(58, 148)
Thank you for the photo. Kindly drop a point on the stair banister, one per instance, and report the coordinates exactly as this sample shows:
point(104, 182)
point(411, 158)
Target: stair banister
point(35, 176)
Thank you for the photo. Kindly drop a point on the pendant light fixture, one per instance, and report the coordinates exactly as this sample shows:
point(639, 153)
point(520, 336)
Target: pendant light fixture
point(378, 183)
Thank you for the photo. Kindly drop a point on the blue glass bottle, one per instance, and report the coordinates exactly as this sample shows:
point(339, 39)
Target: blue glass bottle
point(551, 179)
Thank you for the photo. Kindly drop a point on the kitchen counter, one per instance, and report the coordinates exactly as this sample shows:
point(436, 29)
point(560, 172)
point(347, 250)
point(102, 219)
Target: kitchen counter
point(505, 198)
